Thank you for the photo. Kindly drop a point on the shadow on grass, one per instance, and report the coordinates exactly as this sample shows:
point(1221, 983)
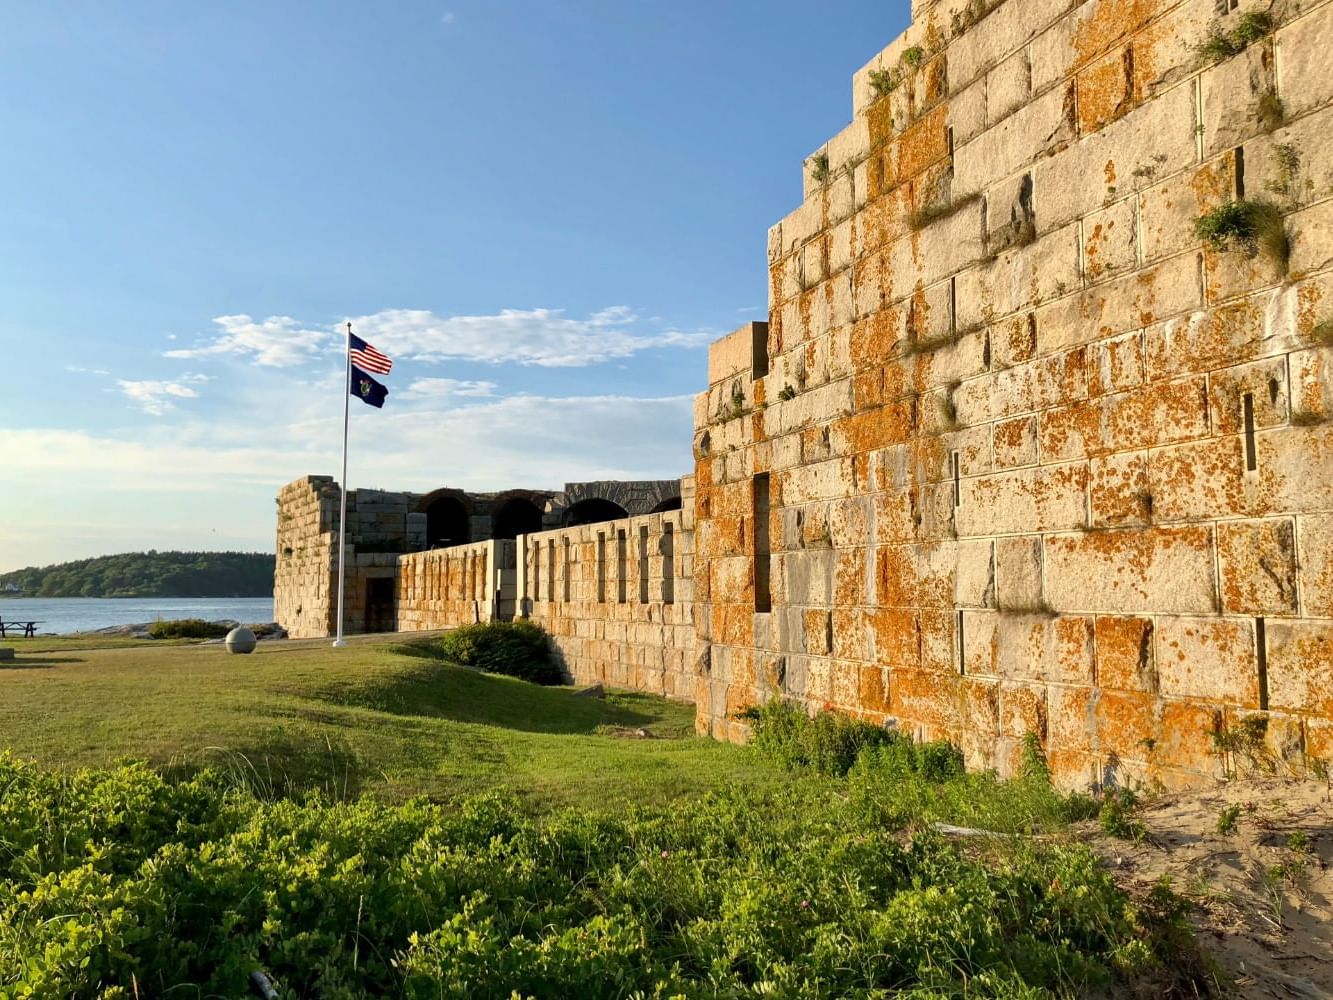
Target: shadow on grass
point(444, 691)
point(45, 663)
point(279, 766)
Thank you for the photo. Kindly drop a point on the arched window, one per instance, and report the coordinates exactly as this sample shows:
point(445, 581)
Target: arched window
point(672, 503)
point(515, 517)
point(593, 510)
point(447, 523)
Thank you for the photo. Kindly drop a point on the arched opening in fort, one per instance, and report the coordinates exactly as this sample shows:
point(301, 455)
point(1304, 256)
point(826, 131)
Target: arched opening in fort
point(593, 510)
point(447, 523)
point(671, 503)
point(515, 517)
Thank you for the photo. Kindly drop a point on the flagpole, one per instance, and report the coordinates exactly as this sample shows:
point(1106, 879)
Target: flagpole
point(342, 512)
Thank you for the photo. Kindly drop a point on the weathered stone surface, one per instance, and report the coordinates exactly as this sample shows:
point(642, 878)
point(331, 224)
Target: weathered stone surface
point(1131, 571)
point(1258, 566)
point(1302, 46)
point(1315, 533)
point(1210, 659)
point(1300, 667)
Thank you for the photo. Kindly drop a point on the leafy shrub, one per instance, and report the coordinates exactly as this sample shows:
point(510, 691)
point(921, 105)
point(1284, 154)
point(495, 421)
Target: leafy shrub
point(1252, 27)
point(118, 883)
point(1253, 227)
point(884, 81)
point(829, 742)
point(187, 628)
point(1117, 815)
point(516, 649)
point(1228, 819)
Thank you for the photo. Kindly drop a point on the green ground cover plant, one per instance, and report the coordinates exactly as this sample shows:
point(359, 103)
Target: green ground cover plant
point(276, 829)
point(117, 882)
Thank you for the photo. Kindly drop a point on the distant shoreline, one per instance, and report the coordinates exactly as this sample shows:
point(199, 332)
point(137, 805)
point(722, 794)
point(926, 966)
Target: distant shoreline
point(138, 597)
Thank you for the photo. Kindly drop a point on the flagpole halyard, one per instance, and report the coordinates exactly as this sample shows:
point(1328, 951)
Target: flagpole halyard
point(342, 511)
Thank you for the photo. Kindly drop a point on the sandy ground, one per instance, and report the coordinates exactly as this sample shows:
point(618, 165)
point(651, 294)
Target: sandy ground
point(1261, 882)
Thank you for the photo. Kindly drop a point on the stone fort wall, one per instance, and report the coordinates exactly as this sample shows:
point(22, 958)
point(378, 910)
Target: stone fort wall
point(1030, 456)
point(617, 599)
point(1017, 451)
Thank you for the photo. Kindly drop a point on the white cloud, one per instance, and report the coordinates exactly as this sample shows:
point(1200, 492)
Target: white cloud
point(278, 341)
point(544, 337)
point(448, 18)
point(435, 388)
point(170, 479)
point(154, 397)
point(78, 370)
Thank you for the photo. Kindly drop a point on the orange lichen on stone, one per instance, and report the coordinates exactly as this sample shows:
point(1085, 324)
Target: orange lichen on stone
point(1023, 710)
point(1258, 560)
point(925, 698)
point(1108, 22)
point(896, 635)
point(895, 576)
point(878, 428)
point(873, 691)
point(1185, 737)
point(1124, 657)
point(922, 144)
point(1126, 723)
point(1105, 90)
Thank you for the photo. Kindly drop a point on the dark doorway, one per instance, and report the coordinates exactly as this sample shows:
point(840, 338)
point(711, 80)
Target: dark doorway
point(381, 616)
point(515, 517)
point(666, 505)
point(593, 510)
point(447, 523)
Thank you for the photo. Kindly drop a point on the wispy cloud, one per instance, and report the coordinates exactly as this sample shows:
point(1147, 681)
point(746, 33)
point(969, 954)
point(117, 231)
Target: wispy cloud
point(543, 337)
point(278, 341)
point(155, 397)
point(79, 370)
point(174, 469)
point(448, 18)
point(437, 388)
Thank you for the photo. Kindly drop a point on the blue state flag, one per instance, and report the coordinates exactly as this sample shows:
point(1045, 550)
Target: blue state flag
point(366, 389)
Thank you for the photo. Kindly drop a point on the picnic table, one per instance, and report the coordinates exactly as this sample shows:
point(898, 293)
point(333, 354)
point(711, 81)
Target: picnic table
point(29, 628)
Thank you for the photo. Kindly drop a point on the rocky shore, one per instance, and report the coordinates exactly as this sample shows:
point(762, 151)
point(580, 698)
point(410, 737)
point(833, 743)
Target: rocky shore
point(141, 630)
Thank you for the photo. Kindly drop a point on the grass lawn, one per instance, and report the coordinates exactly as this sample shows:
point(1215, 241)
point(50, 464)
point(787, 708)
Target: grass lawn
point(300, 714)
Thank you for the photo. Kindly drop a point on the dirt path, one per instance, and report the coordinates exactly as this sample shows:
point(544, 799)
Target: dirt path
point(1254, 855)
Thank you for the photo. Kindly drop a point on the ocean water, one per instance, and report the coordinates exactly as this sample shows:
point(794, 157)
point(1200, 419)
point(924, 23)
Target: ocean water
point(61, 615)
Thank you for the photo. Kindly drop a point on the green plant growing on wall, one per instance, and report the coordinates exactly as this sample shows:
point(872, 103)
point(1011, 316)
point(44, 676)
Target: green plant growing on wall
point(884, 81)
point(820, 168)
point(787, 393)
point(1252, 227)
point(1269, 111)
point(1252, 27)
point(971, 15)
point(914, 56)
point(1288, 160)
point(1323, 333)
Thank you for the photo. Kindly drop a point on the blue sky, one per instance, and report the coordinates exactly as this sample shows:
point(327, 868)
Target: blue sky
point(542, 210)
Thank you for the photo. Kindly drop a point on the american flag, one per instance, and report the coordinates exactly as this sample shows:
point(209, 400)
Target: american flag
point(365, 357)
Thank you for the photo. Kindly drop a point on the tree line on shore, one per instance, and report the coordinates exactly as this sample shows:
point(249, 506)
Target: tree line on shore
point(148, 574)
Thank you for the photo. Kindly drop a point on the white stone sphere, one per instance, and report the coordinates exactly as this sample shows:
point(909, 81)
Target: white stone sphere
point(241, 640)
